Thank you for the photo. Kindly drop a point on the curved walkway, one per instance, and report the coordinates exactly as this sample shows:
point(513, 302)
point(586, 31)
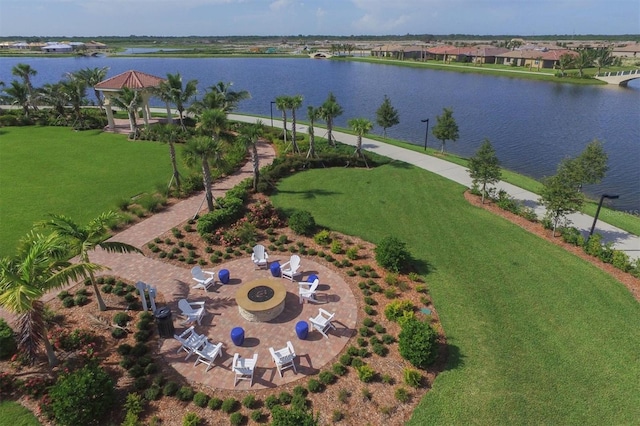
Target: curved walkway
point(620, 239)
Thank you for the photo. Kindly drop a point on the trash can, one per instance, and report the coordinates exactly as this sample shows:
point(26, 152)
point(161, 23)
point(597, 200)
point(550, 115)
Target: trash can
point(275, 269)
point(223, 275)
point(164, 321)
point(312, 278)
point(237, 336)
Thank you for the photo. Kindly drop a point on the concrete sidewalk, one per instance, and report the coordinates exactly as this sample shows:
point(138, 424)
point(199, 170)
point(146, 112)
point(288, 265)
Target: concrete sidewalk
point(620, 239)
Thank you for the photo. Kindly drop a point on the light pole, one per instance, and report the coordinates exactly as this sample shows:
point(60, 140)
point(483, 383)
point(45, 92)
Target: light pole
point(595, 219)
point(271, 108)
point(426, 135)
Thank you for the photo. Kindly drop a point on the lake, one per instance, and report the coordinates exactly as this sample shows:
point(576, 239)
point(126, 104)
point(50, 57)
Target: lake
point(532, 125)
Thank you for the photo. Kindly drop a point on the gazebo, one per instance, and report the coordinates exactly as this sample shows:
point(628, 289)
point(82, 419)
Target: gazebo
point(133, 80)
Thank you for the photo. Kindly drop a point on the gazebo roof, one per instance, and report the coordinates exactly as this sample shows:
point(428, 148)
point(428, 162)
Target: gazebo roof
point(134, 80)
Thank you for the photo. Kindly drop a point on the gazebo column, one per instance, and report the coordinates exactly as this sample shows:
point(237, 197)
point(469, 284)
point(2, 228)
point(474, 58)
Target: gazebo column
point(109, 111)
point(146, 112)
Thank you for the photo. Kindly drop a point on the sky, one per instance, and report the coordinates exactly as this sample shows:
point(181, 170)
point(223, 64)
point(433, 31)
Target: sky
point(88, 18)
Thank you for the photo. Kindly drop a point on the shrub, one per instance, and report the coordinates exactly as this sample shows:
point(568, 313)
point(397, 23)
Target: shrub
point(152, 393)
point(402, 395)
point(326, 377)
point(343, 395)
point(285, 398)
point(214, 403)
point(336, 247)
point(412, 377)
point(118, 333)
point(337, 415)
point(379, 349)
point(170, 388)
point(322, 238)
point(256, 416)
point(369, 310)
point(366, 394)
point(620, 260)
point(68, 302)
point(229, 405)
point(134, 408)
point(387, 379)
point(417, 343)
point(392, 254)
point(83, 396)
point(293, 417)
point(339, 369)
point(236, 419)
point(314, 386)
point(396, 309)
point(364, 331)
point(7, 340)
point(185, 393)
point(190, 419)
point(271, 401)
point(249, 401)
point(201, 399)
point(387, 339)
point(366, 373)
point(302, 222)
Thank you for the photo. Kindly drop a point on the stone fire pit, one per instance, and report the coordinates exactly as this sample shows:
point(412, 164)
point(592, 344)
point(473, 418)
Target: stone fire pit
point(261, 300)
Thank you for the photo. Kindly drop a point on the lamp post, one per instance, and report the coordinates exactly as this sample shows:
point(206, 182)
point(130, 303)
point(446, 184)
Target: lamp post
point(271, 108)
point(595, 219)
point(426, 135)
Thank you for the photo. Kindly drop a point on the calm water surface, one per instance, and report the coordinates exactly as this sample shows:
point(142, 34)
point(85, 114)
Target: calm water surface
point(532, 125)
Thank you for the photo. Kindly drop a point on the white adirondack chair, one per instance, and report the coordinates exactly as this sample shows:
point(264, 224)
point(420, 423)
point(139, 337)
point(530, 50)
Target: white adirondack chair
point(205, 279)
point(284, 358)
point(208, 353)
point(290, 269)
point(244, 368)
point(322, 322)
point(192, 311)
point(307, 291)
point(189, 341)
point(260, 256)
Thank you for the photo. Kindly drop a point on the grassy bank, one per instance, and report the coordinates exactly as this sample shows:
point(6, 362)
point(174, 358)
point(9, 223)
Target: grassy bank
point(81, 174)
point(12, 413)
point(530, 341)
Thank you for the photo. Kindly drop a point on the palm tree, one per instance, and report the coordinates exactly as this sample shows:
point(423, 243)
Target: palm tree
point(179, 95)
point(584, 60)
point(602, 58)
point(25, 72)
point(249, 138)
point(312, 114)
point(75, 91)
point(361, 126)
point(18, 94)
point(220, 96)
point(282, 103)
point(205, 150)
point(294, 103)
point(40, 266)
point(330, 109)
point(54, 96)
point(130, 101)
point(565, 61)
point(91, 77)
point(83, 239)
point(213, 121)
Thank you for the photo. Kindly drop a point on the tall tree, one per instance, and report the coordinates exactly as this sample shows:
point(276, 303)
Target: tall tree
point(204, 150)
point(220, 96)
point(329, 111)
point(39, 266)
point(282, 104)
point(446, 127)
point(249, 136)
point(173, 89)
point(83, 239)
point(602, 58)
point(295, 102)
point(129, 100)
point(213, 122)
point(25, 72)
point(387, 115)
point(565, 62)
point(18, 94)
point(75, 91)
point(560, 198)
point(91, 77)
point(484, 167)
point(587, 168)
point(312, 114)
point(54, 96)
point(361, 126)
point(584, 60)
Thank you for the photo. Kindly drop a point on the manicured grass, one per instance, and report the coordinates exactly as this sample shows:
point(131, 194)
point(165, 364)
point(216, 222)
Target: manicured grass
point(80, 174)
point(535, 334)
point(14, 414)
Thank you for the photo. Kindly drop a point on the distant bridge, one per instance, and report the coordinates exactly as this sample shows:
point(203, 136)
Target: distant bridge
point(620, 78)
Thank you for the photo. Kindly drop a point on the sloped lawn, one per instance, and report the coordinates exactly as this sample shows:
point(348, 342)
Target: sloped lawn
point(536, 334)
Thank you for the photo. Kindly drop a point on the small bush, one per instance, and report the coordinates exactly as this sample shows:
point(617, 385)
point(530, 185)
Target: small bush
point(170, 388)
point(366, 394)
point(343, 395)
point(118, 333)
point(379, 349)
point(7, 340)
point(339, 369)
point(369, 310)
point(271, 401)
point(214, 403)
point(201, 399)
point(185, 393)
point(417, 343)
point(326, 377)
point(285, 398)
point(229, 405)
point(300, 391)
point(322, 238)
point(256, 416)
point(402, 395)
point(68, 302)
point(366, 373)
point(337, 415)
point(392, 254)
point(190, 419)
point(336, 247)
point(302, 222)
point(314, 386)
point(249, 401)
point(236, 419)
point(396, 309)
point(412, 377)
point(387, 339)
point(152, 393)
point(387, 379)
point(352, 253)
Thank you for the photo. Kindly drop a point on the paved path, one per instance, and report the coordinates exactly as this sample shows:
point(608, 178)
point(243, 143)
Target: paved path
point(621, 240)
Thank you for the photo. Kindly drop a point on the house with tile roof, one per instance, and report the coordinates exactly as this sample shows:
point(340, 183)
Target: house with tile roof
point(533, 58)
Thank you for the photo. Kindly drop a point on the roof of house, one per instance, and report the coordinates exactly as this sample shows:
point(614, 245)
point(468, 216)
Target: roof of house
point(131, 79)
point(537, 54)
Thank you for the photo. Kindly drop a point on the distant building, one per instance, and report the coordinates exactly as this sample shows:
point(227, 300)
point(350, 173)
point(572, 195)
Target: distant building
point(57, 48)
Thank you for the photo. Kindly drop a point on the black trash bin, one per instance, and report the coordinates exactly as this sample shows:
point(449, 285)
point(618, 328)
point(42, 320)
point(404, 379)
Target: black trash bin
point(164, 321)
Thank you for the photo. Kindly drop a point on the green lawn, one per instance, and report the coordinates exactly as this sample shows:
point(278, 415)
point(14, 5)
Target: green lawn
point(536, 335)
point(81, 174)
point(14, 414)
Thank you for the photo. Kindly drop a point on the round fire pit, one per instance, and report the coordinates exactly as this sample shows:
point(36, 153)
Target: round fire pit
point(261, 300)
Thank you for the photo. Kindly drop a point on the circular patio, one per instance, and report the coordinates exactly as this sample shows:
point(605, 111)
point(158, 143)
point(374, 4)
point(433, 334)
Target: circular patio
point(223, 314)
